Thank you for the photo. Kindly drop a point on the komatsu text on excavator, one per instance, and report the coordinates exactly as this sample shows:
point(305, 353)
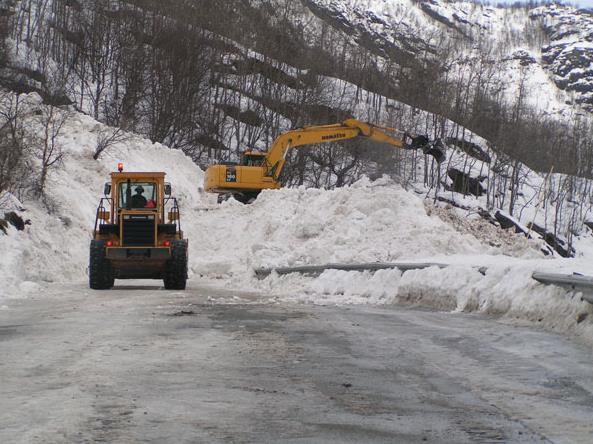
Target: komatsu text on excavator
point(258, 171)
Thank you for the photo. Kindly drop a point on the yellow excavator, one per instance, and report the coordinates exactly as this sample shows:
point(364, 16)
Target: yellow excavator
point(260, 171)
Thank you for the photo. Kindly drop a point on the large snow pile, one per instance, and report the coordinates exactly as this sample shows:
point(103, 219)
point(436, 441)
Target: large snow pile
point(366, 222)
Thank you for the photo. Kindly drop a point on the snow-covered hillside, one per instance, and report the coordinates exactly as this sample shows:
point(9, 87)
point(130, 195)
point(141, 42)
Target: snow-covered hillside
point(569, 55)
point(546, 49)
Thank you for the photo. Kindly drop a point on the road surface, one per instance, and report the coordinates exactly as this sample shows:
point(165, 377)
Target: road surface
point(141, 364)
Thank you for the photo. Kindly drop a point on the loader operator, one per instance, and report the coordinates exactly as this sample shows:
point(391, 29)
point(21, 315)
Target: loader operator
point(138, 200)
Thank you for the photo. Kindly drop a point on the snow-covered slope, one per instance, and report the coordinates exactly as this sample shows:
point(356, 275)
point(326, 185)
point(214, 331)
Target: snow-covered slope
point(547, 49)
point(569, 56)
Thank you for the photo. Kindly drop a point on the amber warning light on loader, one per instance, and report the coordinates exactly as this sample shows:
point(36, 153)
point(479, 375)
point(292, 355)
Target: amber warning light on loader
point(120, 167)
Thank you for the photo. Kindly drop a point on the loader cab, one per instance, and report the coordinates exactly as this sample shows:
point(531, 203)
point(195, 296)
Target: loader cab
point(253, 158)
point(138, 192)
point(138, 195)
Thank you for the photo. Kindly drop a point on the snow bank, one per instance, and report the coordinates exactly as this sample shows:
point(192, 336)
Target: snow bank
point(503, 291)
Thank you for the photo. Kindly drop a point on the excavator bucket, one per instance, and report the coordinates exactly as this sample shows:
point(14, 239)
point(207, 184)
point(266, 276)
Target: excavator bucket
point(436, 150)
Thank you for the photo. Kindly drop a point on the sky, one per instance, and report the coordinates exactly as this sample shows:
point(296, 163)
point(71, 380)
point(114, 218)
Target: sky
point(581, 3)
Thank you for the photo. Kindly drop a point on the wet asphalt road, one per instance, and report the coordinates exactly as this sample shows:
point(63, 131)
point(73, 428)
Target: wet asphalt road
point(140, 364)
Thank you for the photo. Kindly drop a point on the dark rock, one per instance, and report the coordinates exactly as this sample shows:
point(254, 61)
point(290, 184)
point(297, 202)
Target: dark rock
point(325, 114)
point(66, 221)
point(524, 58)
point(3, 225)
point(452, 203)
point(400, 46)
point(16, 221)
point(471, 149)
point(428, 7)
point(31, 74)
point(507, 222)
point(558, 244)
point(56, 99)
point(570, 61)
point(581, 317)
point(254, 66)
point(248, 117)
point(22, 81)
point(487, 216)
point(464, 183)
point(211, 143)
point(74, 37)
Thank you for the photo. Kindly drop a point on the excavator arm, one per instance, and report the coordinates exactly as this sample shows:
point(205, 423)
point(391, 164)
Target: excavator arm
point(349, 129)
point(260, 171)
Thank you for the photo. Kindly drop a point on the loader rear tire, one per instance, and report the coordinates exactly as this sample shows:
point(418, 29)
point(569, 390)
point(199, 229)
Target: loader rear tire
point(176, 269)
point(100, 271)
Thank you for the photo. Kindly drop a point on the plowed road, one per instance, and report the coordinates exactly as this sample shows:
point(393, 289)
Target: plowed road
point(141, 364)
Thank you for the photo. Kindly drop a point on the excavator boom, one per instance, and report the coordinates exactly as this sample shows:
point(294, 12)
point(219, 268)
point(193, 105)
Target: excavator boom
point(245, 181)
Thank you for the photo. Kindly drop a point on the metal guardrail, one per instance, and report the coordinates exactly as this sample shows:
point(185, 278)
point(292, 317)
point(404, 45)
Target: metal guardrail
point(318, 269)
point(571, 280)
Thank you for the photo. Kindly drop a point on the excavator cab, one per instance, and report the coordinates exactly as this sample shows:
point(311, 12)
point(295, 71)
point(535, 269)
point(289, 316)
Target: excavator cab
point(253, 158)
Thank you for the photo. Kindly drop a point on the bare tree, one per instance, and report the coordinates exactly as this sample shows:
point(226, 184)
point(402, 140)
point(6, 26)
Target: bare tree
point(14, 171)
point(45, 146)
point(107, 137)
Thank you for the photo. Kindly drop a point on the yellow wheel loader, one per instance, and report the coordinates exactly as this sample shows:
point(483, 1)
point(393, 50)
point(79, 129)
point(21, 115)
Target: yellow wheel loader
point(137, 233)
point(259, 171)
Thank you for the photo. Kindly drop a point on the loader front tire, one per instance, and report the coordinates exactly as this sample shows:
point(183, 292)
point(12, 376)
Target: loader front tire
point(176, 269)
point(100, 271)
